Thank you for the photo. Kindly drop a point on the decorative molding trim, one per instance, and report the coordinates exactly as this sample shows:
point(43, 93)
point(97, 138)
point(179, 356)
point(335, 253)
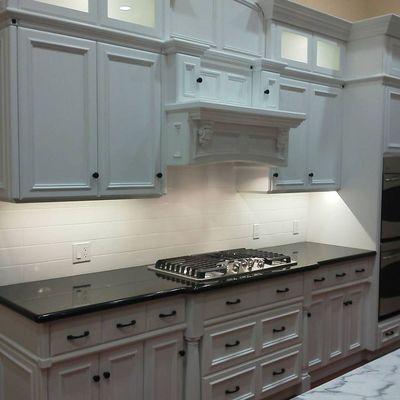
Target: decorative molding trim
point(175, 45)
point(384, 79)
point(249, 3)
point(29, 19)
point(265, 64)
point(303, 17)
point(313, 77)
point(228, 58)
point(384, 25)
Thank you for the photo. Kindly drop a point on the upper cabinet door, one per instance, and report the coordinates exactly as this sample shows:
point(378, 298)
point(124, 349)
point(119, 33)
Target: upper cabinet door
point(139, 16)
point(328, 56)
point(294, 96)
point(325, 139)
point(58, 115)
point(194, 20)
point(129, 99)
point(242, 28)
point(85, 10)
point(121, 371)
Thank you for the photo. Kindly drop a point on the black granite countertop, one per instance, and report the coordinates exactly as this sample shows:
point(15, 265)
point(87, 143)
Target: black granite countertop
point(54, 299)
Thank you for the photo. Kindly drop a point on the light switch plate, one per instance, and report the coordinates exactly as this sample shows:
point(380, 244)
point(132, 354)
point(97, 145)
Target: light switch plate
point(81, 252)
point(296, 227)
point(256, 231)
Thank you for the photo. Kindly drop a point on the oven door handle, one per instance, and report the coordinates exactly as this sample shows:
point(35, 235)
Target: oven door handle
point(390, 257)
point(395, 179)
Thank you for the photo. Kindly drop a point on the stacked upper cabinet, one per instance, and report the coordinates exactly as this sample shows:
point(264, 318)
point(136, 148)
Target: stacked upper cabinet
point(315, 146)
point(89, 118)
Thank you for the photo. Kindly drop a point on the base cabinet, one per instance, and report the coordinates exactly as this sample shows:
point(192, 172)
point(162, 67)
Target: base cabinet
point(335, 321)
point(123, 373)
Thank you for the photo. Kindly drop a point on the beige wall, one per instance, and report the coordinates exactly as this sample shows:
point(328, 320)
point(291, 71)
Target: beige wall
point(354, 10)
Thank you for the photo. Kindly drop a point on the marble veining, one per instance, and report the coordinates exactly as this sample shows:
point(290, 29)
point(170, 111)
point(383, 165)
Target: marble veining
point(379, 379)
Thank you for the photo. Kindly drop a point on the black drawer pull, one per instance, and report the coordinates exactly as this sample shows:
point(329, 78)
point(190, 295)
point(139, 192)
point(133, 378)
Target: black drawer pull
point(96, 378)
point(121, 326)
point(232, 303)
point(237, 388)
point(283, 329)
point(319, 280)
point(182, 353)
point(282, 371)
point(282, 290)
point(360, 271)
point(309, 315)
point(348, 303)
point(266, 91)
point(171, 314)
point(341, 275)
point(199, 80)
point(233, 345)
point(107, 375)
point(390, 333)
point(72, 337)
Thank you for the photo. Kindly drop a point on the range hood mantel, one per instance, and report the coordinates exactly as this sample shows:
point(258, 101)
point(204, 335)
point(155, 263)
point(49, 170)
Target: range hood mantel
point(204, 132)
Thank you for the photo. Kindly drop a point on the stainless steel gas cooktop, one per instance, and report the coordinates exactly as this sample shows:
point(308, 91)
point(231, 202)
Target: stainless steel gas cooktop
point(223, 264)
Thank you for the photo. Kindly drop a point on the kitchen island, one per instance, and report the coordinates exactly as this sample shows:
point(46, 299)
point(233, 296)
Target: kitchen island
point(378, 380)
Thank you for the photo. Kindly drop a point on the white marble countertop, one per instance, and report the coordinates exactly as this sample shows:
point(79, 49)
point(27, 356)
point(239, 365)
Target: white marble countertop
point(379, 379)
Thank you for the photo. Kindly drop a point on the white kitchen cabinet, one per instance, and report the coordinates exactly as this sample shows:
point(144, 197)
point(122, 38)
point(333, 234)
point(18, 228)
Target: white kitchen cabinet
point(85, 10)
point(325, 137)
point(392, 120)
point(121, 373)
point(164, 367)
point(316, 332)
point(193, 20)
point(294, 96)
point(129, 101)
point(77, 379)
point(335, 323)
point(58, 115)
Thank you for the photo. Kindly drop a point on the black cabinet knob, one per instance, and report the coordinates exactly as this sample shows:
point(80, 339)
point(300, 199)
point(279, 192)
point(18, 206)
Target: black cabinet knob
point(107, 375)
point(96, 175)
point(96, 378)
point(266, 91)
point(182, 353)
point(311, 175)
point(237, 389)
point(309, 315)
point(159, 175)
point(275, 175)
point(199, 80)
point(232, 303)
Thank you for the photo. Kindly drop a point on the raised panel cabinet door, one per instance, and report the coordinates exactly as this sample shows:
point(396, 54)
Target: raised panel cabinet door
point(392, 122)
point(354, 309)
point(194, 20)
point(78, 379)
point(121, 373)
point(294, 96)
point(163, 374)
point(129, 97)
point(335, 325)
point(58, 115)
point(325, 138)
point(316, 332)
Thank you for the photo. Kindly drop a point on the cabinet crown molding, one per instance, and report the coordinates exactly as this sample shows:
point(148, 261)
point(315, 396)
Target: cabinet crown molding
point(294, 14)
point(203, 132)
point(384, 25)
point(175, 45)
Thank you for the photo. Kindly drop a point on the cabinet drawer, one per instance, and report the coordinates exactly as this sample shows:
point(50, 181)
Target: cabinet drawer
point(280, 371)
point(75, 334)
point(281, 289)
point(123, 323)
point(361, 269)
point(161, 314)
point(281, 327)
point(229, 301)
point(388, 333)
point(225, 343)
point(239, 383)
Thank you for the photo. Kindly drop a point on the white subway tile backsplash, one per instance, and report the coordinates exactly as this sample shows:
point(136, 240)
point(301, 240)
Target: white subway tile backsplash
point(201, 212)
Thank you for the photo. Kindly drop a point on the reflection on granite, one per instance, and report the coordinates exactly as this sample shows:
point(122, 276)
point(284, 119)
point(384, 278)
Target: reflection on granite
point(63, 297)
point(378, 380)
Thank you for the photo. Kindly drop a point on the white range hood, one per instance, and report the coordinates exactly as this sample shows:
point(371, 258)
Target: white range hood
point(202, 132)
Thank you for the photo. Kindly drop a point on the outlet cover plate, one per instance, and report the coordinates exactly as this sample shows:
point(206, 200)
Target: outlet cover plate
point(81, 252)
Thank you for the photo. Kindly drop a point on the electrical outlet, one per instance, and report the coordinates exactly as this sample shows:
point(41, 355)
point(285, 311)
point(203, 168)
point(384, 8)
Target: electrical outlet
point(81, 252)
point(256, 231)
point(296, 227)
